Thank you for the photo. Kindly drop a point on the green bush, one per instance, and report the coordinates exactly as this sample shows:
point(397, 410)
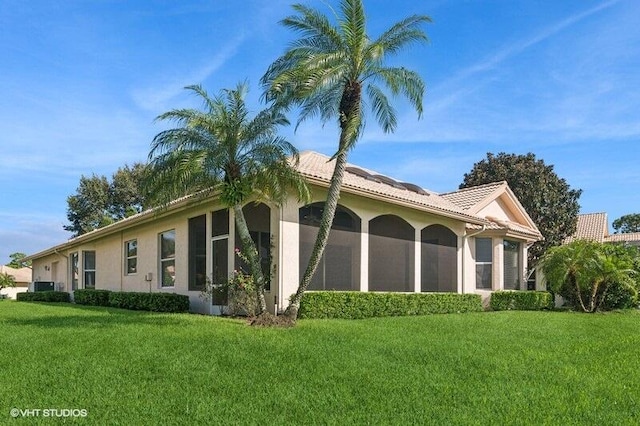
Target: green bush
point(156, 302)
point(620, 297)
point(355, 305)
point(521, 300)
point(43, 296)
point(91, 297)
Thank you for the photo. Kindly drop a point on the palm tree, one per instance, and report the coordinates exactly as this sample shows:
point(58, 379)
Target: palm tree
point(325, 73)
point(583, 271)
point(221, 149)
point(6, 280)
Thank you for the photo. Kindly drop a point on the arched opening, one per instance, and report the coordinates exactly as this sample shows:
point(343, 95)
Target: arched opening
point(439, 259)
point(339, 268)
point(391, 254)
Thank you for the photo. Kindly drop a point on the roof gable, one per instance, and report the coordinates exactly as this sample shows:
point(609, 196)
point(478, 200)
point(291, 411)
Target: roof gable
point(497, 203)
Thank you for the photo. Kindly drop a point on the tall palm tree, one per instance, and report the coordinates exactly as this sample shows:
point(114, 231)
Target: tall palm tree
point(325, 73)
point(221, 149)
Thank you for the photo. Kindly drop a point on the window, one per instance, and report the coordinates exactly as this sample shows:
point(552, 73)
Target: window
point(439, 258)
point(484, 263)
point(131, 257)
point(197, 252)
point(339, 267)
point(391, 254)
point(511, 265)
point(168, 258)
point(74, 270)
point(89, 267)
point(220, 250)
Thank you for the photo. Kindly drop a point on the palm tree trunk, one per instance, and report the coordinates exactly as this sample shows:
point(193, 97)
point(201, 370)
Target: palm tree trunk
point(578, 292)
point(323, 233)
point(251, 252)
point(349, 120)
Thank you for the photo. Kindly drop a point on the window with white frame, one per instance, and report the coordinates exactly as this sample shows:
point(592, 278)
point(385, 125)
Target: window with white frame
point(511, 259)
point(484, 263)
point(89, 268)
point(131, 257)
point(168, 258)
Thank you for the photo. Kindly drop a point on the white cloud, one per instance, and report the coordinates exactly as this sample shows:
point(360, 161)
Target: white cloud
point(157, 97)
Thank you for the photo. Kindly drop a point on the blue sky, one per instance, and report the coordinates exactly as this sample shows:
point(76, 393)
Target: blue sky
point(81, 83)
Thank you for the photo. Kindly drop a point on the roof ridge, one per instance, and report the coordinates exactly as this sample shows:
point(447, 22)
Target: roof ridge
point(476, 187)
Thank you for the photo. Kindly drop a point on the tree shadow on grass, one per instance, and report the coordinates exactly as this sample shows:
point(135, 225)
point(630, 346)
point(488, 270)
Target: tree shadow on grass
point(95, 316)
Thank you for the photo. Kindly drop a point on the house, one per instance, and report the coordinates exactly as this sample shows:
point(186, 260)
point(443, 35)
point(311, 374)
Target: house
point(22, 276)
point(387, 236)
point(595, 227)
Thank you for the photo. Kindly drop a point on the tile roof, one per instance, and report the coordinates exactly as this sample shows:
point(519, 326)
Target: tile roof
point(318, 166)
point(458, 203)
point(592, 226)
point(21, 275)
point(629, 237)
point(467, 198)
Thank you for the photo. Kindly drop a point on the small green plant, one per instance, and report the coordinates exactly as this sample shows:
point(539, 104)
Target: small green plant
point(239, 295)
point(7, 280)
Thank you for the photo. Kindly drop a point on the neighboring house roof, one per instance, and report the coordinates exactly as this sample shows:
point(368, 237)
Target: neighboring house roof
point(21, 275)
point(318, 168)
point(595, 227)
point(591, 226)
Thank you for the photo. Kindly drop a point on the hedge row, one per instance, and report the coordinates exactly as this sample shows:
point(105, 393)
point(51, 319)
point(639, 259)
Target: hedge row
point(156, 302)
point(43, 296)
point(355, 305)
point(521, 300)
point(91, 297)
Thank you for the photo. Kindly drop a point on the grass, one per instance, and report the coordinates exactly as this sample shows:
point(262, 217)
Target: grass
point(487, 368)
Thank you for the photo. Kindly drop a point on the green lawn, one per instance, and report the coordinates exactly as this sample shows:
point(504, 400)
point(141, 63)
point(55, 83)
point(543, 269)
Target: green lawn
point(485, 368)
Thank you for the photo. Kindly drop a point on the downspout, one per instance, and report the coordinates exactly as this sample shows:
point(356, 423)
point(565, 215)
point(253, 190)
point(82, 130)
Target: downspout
point(464, 241)
point(121, 259)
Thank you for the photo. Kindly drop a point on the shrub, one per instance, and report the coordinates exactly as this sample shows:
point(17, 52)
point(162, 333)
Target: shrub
point(91, 297)
point(43, 296)
point(156, 302)
point(521, 300)
point(355, 305)
point(620, 297)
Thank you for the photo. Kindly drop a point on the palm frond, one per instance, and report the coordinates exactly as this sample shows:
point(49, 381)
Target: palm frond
point(400, 35)
point(403, 81)
point(384, 112)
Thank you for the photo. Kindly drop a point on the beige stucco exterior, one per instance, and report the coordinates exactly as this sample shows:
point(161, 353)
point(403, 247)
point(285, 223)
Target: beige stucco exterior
point(109, 244)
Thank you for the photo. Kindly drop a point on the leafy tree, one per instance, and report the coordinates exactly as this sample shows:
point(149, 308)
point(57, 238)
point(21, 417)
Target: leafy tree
point(221, 149)
point(17, 262)
point(125, 195)
point(325, 73)
point(548, 199)
point(99, 202)
point(584, 271)
point(627, 223)
point(6, 280)
point(87, 209)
